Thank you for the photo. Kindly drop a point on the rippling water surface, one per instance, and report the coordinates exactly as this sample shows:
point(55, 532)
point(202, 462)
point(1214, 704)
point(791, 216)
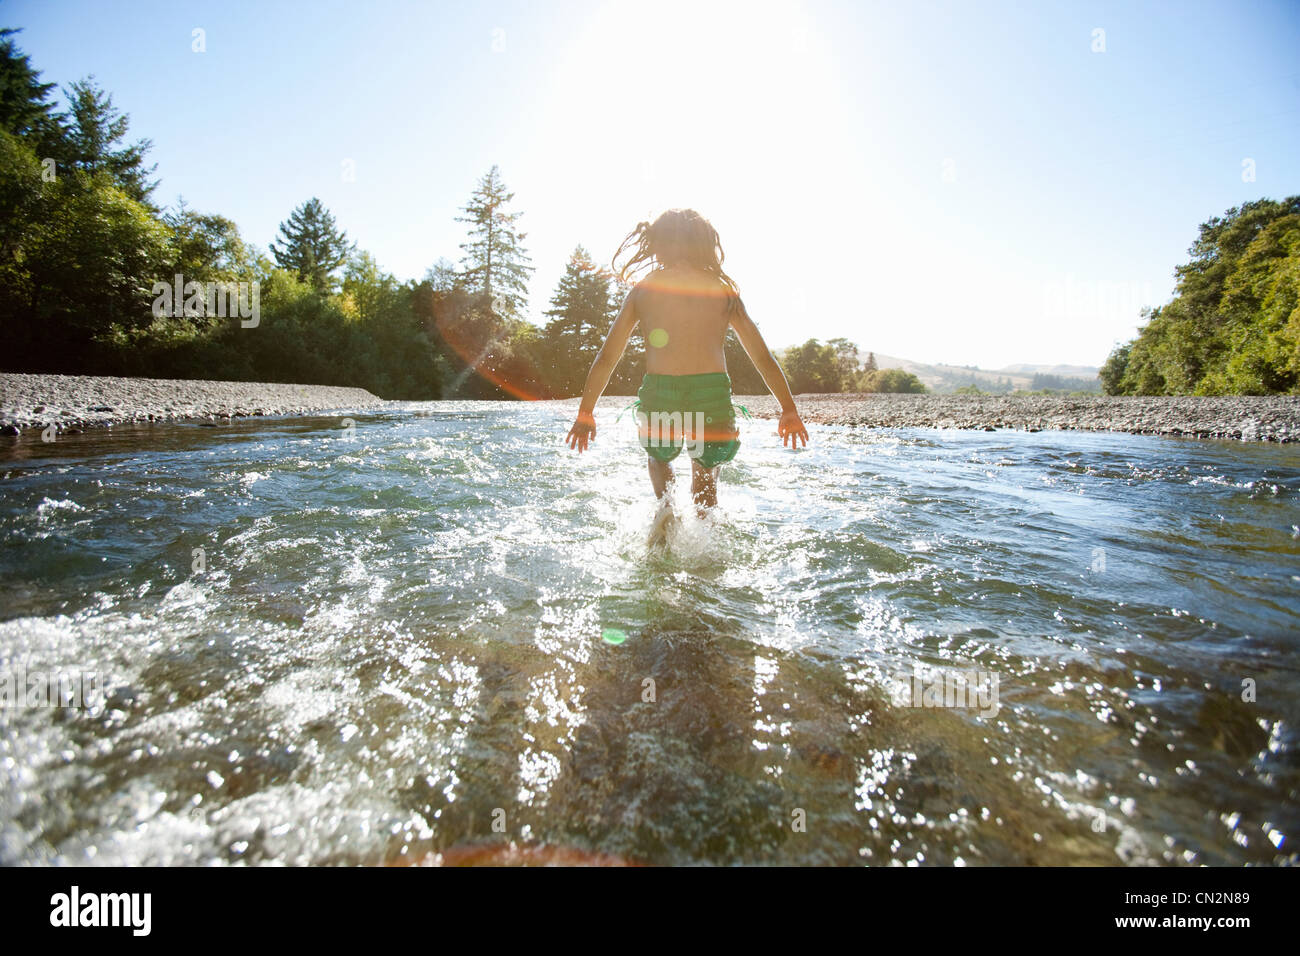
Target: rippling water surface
point(442, 633)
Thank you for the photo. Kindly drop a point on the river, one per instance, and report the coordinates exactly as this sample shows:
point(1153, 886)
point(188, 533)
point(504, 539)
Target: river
point(437, 632)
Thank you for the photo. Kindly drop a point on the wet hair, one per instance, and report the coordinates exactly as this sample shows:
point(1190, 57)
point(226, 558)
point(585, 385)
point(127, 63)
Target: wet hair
point(685, 236)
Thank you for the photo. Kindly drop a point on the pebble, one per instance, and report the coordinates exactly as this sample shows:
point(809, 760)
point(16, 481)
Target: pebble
point(1273, 418)
point(104, 401)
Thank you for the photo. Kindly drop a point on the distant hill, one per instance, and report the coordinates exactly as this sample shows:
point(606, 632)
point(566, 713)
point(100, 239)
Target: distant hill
point(1066, 371)
point(946, 378)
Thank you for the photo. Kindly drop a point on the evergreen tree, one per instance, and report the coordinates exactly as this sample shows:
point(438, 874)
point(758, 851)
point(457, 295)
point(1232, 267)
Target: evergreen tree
point(25, 106)
point(871, 363)
point(442, 275)
point(95, 127)
point(311, 245)
point(582, 312)
point(496, 265)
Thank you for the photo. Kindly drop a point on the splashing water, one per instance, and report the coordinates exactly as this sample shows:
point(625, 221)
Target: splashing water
point(441, 634)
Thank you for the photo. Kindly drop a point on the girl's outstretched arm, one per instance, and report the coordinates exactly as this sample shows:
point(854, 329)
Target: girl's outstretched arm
point(790, 427)
point(584, 428)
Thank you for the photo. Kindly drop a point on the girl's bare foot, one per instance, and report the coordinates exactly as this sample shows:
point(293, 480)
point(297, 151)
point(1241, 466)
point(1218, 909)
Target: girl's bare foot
point(664, 518)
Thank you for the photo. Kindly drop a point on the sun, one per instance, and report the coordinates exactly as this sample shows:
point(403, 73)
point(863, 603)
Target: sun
point(691, 100)
point(735, 109)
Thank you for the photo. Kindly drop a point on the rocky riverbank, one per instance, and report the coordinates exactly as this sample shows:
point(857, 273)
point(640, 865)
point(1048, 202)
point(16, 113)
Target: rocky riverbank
point(1247, 418)
point(76, 402)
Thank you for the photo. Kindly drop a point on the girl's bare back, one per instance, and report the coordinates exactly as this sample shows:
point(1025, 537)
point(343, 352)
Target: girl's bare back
point(683, 309)
point(682, 313)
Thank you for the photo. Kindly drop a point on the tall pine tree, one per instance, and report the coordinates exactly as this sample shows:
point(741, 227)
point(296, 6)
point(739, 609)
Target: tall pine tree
point(582, 312)
point(96, 126)
point(496, 265)
point(311, 245)
point(25, 106)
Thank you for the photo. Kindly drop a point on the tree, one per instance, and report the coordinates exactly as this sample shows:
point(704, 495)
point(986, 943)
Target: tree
point(745, 378)
point(368, 290)
point(1112, 371)
point(25, 106)
point(1042, 382)
point(1232, 325)
point(870, 366)
point(79, 250)
point(312, 246)
point(496, 265)
point(207, 247)
point(893, 380)
point(442, 275)
point(582, 312)
point(95, 127)
point(82, 268)
point(811, 367)
point(847, 364)
point(23, 207)
point(814, 367)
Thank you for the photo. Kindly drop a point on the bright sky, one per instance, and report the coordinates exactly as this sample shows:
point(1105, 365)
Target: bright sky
point(974, 183)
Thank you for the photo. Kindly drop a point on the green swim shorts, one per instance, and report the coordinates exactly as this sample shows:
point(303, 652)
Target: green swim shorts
point(688, 411)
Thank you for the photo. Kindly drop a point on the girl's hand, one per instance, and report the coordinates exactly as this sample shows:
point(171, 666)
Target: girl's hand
point(791, 429)
point(582, 432)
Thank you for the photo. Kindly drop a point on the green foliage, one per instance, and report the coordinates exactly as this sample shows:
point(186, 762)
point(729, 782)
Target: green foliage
point(586, 302)
point(745, 378)
point(443, 277)
point(25, 106)
point(80, 259)
point(495, 262)
point(94, 128)
point(1062, 383)
point(486, 354)
point(582, 311)
point(1233, 326)
point(1113, 369)
point(892, 380)
point(311, 245)
point(206, 247)
point(982, 385)
point(848, 364)
point(21, 196)
point(80, 245)
point(814, 367)
point(301, 337)
point(837, 367)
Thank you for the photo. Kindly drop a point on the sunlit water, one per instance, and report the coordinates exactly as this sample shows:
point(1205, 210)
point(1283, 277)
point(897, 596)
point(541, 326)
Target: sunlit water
point(399, 645)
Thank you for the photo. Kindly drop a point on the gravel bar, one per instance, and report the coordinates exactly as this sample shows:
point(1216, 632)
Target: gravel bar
point(74, 402)
point(77, 402)
point(1244, 417)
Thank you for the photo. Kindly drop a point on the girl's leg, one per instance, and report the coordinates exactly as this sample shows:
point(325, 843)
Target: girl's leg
point(704, 485)
point(661, 472)
point(661, 475)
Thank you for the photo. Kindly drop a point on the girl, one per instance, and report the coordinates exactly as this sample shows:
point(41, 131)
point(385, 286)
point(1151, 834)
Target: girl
point(684, 308)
